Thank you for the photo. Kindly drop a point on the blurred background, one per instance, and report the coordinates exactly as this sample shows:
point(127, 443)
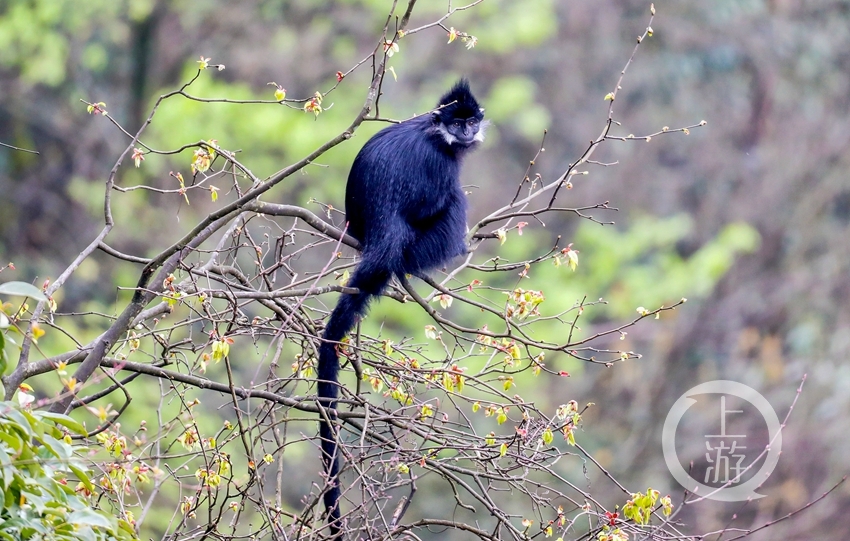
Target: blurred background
point(747, 217)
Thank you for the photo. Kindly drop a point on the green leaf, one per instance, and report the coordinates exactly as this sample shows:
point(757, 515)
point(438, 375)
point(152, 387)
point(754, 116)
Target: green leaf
point(38, 427)
point(90, 517)
point(17, 419)
point(57, 448)
point(22, 289)
point(64, 420)
point(82, 476)
point(4, 362)
point(7, 471)
point(126, 529)
point(13, 440)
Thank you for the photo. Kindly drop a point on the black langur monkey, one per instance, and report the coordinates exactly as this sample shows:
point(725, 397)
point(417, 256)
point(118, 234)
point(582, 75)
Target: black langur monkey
point(405, 206)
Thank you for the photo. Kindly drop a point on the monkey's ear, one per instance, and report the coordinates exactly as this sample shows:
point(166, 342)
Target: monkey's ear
point(436, 118)
point(481, 109)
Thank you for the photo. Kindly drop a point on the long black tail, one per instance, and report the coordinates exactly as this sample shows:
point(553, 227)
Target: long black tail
point(370, 277)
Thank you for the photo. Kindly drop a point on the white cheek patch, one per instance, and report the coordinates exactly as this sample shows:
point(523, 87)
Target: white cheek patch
point(441, 128)
point(481, 129)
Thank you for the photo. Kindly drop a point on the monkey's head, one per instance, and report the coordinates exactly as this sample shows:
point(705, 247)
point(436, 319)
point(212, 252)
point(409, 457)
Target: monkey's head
point(459, 118)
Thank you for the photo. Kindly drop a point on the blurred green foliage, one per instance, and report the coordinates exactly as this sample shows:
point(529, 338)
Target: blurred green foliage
point(34, 36)
point(642, 267)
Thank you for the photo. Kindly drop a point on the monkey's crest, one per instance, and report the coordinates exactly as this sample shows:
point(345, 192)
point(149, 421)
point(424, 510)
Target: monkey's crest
point(459, 102)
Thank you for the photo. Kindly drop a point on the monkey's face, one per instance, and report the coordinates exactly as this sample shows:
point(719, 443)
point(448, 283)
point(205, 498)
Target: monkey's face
point(461, 132)
point(464, 131)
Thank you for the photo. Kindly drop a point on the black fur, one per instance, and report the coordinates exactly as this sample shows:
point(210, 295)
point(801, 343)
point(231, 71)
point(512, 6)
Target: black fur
point(405, 205)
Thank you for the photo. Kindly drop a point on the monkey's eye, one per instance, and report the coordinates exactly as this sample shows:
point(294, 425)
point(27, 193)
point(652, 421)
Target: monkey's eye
point(457, 124)
point(472, 123)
